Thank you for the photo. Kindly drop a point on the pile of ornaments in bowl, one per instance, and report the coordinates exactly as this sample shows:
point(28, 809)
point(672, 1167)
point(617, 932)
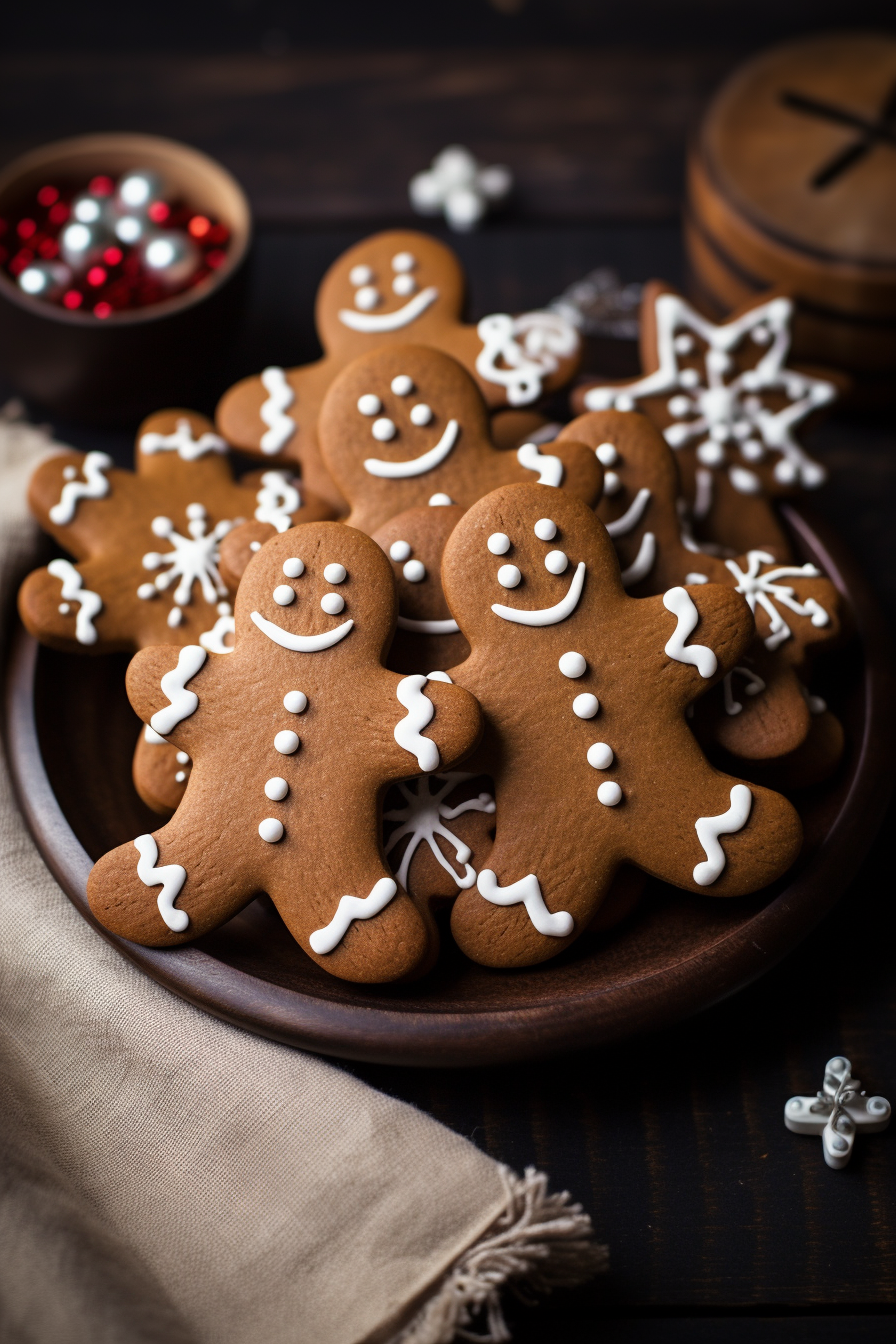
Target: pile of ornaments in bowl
point(109, 247)
point(440, 651)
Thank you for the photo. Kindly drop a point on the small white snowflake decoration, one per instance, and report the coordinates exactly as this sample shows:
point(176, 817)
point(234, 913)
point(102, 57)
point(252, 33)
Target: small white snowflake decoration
point(459, 187)
point(837, 1113)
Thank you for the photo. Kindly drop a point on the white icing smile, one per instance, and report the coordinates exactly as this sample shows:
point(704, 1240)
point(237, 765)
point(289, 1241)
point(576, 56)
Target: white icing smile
point(370, 323)
point(448, 627)
point(416, 466)
point(547, 615)
point(301, 643)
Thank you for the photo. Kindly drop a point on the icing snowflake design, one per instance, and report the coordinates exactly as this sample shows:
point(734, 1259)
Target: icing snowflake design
point(770, 593)
point(421, 818)
point(720, 406)
point(194, 559)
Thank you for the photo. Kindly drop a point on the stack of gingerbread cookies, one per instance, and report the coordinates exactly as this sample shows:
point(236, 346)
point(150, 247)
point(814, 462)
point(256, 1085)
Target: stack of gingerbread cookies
point(434, 653)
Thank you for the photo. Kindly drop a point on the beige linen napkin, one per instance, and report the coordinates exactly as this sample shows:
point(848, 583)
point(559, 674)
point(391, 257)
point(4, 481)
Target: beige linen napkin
point(170, 1178)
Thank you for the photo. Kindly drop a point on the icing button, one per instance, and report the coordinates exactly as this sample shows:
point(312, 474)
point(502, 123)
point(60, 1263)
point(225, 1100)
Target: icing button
point(585, 706)
point(572, 665)
point(286, 742)
point(271, 830)
point(609, 793)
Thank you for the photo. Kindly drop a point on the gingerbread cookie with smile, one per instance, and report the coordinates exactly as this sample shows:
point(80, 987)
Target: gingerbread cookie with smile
point(406, 426)
point(294, 737)
point(762, 710)
point(583, 691)
point(395, 286)
point(731, 407)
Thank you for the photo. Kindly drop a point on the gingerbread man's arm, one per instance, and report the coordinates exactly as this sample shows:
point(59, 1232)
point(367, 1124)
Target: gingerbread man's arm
point(166, 686)
point(582, 473)
point(436, 725)
point(69, 493)
point(72, 607)
point(699, 633)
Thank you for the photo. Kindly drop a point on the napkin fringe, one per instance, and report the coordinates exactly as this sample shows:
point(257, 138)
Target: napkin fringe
point(540, 1241)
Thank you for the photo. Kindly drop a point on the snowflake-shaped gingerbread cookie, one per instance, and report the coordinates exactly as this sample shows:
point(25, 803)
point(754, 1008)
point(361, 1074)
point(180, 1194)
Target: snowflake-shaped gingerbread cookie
point(394, 286)
point(584, 691)
point(294, 736)
point(731, 407)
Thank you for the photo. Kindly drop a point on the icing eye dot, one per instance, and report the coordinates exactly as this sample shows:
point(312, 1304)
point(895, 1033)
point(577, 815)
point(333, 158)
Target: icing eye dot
point(369, 404)
point(383, 429)
point(498, 543)
point(684, 344)
point(400, 550)
point(296, 702)
point(404, 285)
point(254, 545)
point(414, 571)
point(360, 275)
point(572, 665)
point(440, 499)
point(332, 603)
point(711, 454)
point(271, 830)
point(335, 573)
point(606, 454)
point(585, 706)
point(545, 529)
point(421, 414)
point(600, 756)
point(404, 261)
point(366, 298)
point(286, 742)
point(555, 562)
point(402, 385)
point(276, 789)
point(283, 595)
point(612, 483)
point(294, 567)
point(609, 793)
point(69, 473)
point(509, 576)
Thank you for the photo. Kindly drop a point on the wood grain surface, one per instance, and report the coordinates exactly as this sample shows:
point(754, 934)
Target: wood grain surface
point(722, 1225)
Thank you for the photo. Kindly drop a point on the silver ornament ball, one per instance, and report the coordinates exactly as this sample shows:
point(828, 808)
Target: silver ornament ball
point(45, 279)
point(171, 256)
point(137, 191)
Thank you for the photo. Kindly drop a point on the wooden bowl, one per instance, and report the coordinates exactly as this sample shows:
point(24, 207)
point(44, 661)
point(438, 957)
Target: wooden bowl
point(71, 736)
point(115, 371)
point(786, 189)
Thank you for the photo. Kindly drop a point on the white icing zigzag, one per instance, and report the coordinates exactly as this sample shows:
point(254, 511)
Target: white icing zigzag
point(281, 426)
point(521, 368)
point(171, 877)
point(710, 828)
point(183, 702)
point(407, 731)
point(278, 499)
point(94, 486)
point(680, 603)
point(767, 590)
point(90, 604)
point(527, 892)
point(352, 907)
point(422, 818)
point(183, 443)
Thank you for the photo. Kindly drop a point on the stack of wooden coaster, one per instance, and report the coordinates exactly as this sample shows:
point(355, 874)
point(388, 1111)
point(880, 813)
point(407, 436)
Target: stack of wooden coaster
point(792, 183)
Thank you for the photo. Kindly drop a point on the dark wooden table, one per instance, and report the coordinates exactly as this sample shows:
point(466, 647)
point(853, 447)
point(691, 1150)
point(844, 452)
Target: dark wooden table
point(721, 1224)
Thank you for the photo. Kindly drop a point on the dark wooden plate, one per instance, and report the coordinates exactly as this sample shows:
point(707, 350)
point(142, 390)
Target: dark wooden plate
point(71, 735)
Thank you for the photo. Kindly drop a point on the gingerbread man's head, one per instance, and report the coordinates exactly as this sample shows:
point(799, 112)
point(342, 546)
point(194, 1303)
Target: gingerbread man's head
point(406, 426)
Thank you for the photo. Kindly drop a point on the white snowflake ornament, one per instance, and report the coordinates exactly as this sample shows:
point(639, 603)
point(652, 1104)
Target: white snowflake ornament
point(457, 185)
point(837, 1113)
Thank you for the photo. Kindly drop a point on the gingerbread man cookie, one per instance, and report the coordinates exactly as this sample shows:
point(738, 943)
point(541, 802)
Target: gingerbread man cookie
point(394, 286)
point(294, 737)
point(761, 710)
point(583, 691)
point(406, 426)
point(145, 549)
point(729, 405)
